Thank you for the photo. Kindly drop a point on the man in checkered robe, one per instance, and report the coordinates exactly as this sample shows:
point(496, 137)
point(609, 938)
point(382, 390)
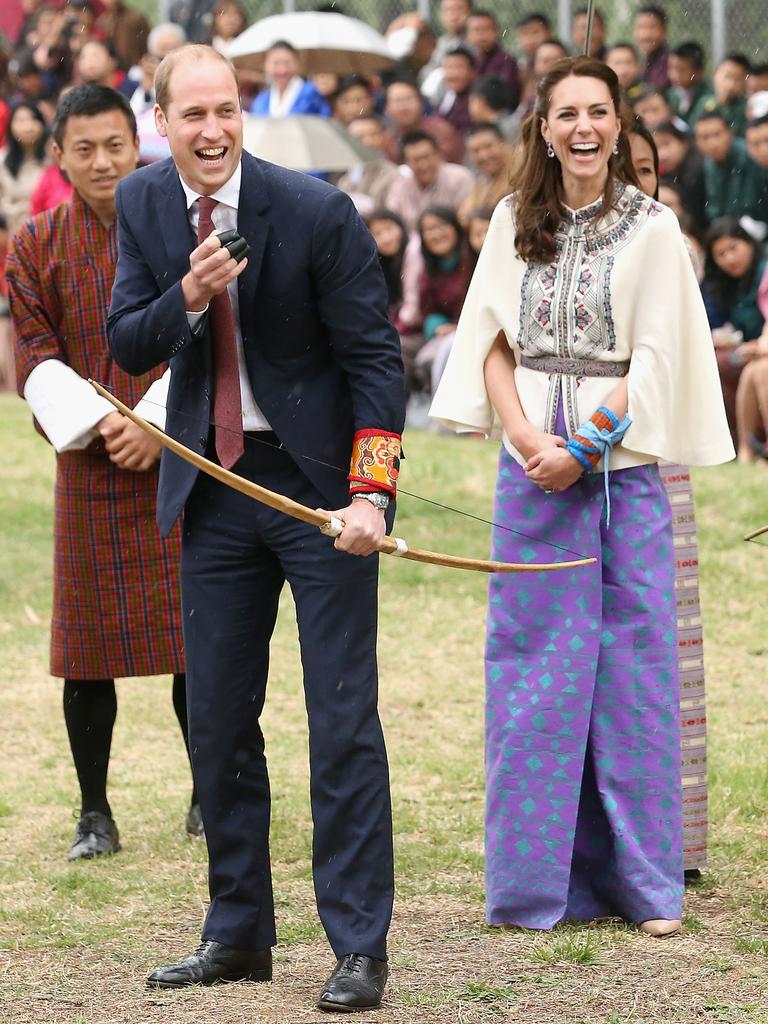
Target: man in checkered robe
point(116, 605)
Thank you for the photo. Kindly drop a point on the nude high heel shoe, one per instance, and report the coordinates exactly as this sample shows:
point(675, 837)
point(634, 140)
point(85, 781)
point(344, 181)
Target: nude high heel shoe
point(661, 929)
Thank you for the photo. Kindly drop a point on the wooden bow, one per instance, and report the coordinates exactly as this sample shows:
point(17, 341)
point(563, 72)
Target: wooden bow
point(756, 533)
point(332, 527)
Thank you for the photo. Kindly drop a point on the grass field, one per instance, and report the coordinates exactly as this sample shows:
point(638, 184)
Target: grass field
point(76, 940)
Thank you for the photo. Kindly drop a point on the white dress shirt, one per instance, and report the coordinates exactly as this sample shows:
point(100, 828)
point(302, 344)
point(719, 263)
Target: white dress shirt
point(224, 218)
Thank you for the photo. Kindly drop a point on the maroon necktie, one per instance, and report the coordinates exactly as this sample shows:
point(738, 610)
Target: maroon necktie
point(227, 405)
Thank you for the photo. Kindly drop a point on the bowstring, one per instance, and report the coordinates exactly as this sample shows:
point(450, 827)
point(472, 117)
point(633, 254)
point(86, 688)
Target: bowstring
point(400, 490)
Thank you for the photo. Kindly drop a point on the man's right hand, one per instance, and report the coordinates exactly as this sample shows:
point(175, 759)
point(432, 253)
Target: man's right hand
point(211, 269)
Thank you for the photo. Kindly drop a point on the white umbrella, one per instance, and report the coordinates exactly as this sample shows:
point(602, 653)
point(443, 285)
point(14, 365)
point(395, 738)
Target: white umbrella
point(327, 43)
point(304, 143)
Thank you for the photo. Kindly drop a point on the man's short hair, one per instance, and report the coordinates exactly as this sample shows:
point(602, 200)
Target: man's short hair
point(624, 45)
point(105, 44)
point(402, 80)
point(462, 51)
point(88, 100)
point(655, 12)
point(485, 126)
point(715, 114)
point(692, 52)
point(160, 30)
point(495, 91)
point(379, 121)
point(193, 51)
point(414, 138)
point(757, 122)
point(739, 59)
point(535, 18)
point(759, 69)
point(281, 44)
point(585, 10)
point(484, 13)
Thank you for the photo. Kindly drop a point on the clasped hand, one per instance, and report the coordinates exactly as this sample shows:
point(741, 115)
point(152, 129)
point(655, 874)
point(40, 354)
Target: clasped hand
point(548, 464)
point(364, 528)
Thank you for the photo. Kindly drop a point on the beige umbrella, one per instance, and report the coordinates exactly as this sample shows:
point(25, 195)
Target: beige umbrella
point(304, 142)
point(327, 43)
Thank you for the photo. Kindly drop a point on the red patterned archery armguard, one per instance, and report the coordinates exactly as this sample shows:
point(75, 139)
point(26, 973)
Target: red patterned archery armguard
point(375, 463)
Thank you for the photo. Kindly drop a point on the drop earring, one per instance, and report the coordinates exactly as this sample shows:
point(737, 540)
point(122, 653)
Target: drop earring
point(550, 150)
point(616, 147)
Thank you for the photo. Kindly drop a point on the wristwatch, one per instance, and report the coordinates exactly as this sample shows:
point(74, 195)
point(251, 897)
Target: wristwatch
point(378, 499)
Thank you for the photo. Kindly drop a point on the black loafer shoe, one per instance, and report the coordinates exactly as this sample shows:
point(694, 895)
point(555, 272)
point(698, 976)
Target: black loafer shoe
point(357, 983)
point(95, 835)
point(211, 963)
point(194, 822)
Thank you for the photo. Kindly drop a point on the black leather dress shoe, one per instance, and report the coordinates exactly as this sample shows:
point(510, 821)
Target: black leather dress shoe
point(95, 835)
point(194, 822)
point(357, 983)
point(211, 963)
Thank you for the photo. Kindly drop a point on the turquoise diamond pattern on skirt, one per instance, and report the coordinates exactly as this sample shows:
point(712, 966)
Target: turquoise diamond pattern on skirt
point(583, 810)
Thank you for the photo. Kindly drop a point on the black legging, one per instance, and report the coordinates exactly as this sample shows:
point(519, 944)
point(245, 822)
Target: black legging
point(90, 709)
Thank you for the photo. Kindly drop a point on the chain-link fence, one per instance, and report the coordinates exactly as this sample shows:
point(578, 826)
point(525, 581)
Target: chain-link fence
point(719, 25)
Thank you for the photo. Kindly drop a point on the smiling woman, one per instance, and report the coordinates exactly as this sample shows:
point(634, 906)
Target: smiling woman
point(585, 335)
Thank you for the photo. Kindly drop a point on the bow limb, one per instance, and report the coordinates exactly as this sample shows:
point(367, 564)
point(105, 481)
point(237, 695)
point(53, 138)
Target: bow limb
point(333, 526)
point(756, 533)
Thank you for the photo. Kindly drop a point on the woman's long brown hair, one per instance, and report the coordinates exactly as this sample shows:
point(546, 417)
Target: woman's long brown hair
point(537, 179)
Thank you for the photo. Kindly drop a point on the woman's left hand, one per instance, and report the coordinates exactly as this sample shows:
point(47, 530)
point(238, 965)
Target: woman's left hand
point(553, 469)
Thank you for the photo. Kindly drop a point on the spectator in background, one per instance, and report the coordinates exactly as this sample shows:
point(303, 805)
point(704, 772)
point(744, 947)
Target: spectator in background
point(288, 92)
point(477, 228)
point(402, 265)
point(650, 35)
point(404, 110)
point(31, 85)
point(229, 20)
point(412, 42)
point(7, 363)
point(734, 184)
point(547, 54)
point(690, 89)
point(194, 16)
point(735, 289)
point(369, 184)
point(22, 163)
point(758, 79)
point(579, 33)
point(671, 195)
point(730, 91)
point(427, 180)
point(530, 32)
point(624, 60)
point(127, 29)
point(490, 103)
point(681, 164)
point(52, 189)
point(442, 289)
point(757, 141)
point(459, 73)
point(652, 107)
point(352, 99)
point(97, 65)
point(5, 118)
point(162, 39)
point(491, 157)
point(490, 59)
point(453, 21)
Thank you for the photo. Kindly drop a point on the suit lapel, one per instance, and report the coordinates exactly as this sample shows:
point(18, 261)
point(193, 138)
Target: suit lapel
point(254, 228)
point(171, 212)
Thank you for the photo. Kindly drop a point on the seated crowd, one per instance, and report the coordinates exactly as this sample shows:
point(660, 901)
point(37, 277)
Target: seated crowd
point(445, 123)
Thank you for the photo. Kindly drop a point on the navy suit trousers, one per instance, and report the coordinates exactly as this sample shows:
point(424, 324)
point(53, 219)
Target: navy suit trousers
point(236, 556)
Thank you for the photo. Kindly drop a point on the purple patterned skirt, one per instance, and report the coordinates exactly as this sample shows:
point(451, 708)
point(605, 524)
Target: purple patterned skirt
point(583, 810)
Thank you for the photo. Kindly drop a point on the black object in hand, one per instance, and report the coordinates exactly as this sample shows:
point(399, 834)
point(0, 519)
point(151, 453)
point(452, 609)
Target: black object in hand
point(237, 246)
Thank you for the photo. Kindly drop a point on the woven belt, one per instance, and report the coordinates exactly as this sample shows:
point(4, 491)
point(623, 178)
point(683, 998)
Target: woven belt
point(575, 367)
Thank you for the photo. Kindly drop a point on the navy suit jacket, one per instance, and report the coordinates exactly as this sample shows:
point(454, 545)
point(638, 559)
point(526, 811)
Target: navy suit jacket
point(322, 357)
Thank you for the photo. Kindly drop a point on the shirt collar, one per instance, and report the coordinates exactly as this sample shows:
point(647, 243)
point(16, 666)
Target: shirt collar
point(228, 194)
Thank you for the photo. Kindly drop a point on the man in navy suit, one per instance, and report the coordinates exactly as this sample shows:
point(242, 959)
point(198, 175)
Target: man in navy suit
point(286, 369)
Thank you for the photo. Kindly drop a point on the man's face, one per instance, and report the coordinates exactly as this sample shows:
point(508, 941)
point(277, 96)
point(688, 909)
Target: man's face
point(424, 162)
point(579, 34)
point(203, 123)
point(681, 72)
point(453, 16)
point(625, 64)
point(649, 33)
point(531, 36)
point(458, 74)
point(757, 144)
point(713, 139)
point(280, 66)
point(482, 34)
point(730, 81)
point(404, 106)
point(546, 55)
point(96, 153)
point(95, 64)
point(653, 110)
point(487, 152)
point(352, 103)
point(369, 132)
